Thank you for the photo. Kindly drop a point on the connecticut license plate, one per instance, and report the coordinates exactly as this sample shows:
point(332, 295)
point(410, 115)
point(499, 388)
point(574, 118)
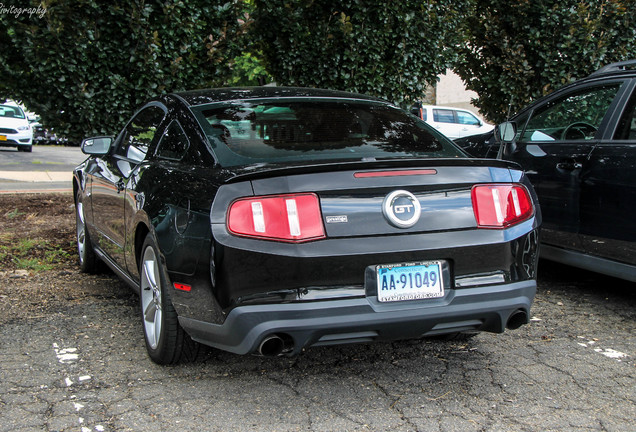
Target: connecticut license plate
point(409, 281)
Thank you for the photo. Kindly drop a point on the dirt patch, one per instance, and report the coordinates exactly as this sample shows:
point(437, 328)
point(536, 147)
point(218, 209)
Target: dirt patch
point(38, 231)
point(38, 258)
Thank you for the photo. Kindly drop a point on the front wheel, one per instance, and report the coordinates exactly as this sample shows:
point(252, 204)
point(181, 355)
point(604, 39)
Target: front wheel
point(166, 341)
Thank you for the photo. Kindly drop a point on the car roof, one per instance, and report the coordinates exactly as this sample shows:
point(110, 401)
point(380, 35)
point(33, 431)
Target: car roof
point(625, 69)
point(205, 96)
point(620, 68)
point(444, 107)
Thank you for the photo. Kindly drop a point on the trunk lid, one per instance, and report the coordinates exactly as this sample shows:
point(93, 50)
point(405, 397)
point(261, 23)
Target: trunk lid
point(370, 199)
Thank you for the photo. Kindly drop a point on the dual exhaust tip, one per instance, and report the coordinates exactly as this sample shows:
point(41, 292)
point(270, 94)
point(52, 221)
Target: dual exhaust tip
point(517, 319)
point(275, 345)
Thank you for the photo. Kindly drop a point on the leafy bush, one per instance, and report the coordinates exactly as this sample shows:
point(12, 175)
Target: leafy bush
point(387, 48)
point(85, 65)
point(518, 51)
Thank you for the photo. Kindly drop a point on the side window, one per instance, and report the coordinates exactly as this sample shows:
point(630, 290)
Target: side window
point(467, 118)
point(174, 143)
point(444, 116)
point(576, 116)
point(626, 129)
point(139, 134)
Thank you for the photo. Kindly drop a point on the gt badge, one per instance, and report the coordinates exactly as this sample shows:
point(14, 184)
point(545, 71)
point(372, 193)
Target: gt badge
point(401, 208)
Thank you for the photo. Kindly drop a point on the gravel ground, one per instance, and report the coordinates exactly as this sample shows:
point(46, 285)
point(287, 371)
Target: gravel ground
point(72, 358)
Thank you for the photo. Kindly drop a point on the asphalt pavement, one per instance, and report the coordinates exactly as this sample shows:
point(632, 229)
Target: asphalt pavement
point(82, 366)
point(45, 169)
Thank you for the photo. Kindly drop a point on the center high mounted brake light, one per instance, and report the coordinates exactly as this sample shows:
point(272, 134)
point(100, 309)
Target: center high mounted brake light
point(501, 205)
point(287, 218)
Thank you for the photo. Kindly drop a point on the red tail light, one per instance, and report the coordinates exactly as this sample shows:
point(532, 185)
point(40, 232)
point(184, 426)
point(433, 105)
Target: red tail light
point(501, 205)
point(289, 218)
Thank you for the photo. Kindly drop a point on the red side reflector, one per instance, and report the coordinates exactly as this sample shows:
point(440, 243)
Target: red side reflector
point(289, 218)
point(182, 287)
point(395, 173)
point(501, 205)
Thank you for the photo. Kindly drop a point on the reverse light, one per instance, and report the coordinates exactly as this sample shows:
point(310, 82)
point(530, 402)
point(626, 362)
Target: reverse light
point(501, 205)
point(288, 218)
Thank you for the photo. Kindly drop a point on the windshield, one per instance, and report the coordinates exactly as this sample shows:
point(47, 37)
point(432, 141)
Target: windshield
point(284, 130)
point(11, 111)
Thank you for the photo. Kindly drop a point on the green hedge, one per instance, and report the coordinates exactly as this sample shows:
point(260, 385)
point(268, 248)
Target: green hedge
point(386, 48)
point(86, 65)
point(518, 51)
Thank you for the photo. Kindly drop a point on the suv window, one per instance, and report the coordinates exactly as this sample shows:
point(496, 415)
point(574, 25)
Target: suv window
point(174, 143)
point(467, 118)
point(576, 116)
point(626, 129)
point(443, 116)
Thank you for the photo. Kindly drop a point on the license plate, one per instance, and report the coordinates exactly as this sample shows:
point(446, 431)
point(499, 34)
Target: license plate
point(409, 281)
point(3, 137)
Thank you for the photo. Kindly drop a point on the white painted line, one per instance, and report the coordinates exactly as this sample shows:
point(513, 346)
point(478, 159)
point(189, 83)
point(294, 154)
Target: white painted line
point(607, 352)
point(66, 355)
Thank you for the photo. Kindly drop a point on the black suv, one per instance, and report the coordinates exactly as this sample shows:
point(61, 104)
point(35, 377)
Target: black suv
point(578, 147)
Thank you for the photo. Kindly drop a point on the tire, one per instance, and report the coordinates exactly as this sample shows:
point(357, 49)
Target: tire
point(166, 341)
point(88, 261)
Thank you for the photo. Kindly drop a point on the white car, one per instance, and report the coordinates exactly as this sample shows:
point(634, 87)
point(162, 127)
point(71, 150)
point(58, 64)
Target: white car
point(15, 130)
point(452, 122)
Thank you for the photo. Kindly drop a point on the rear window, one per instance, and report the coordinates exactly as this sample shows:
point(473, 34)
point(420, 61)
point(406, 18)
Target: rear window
point(283, 130)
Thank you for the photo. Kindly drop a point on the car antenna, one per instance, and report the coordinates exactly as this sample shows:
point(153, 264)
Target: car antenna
point(501, 142)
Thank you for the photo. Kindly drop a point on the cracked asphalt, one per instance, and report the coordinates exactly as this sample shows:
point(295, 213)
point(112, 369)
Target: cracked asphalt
point(82, 366)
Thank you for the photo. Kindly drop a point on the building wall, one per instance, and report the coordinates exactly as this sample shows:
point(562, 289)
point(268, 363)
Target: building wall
point(451, 91)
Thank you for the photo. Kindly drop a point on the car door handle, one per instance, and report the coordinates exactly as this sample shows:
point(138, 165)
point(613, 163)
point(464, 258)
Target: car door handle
point(570, 165)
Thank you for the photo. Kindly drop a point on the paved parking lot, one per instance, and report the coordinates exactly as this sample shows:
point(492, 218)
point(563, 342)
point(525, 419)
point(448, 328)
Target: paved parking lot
point(47, 168)
point(79, 364)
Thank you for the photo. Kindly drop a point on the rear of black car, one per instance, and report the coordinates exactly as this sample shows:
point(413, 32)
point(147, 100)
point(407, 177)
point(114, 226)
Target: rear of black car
point(350, 221)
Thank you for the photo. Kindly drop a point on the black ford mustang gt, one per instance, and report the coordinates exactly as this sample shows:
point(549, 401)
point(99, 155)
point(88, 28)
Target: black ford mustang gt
point(268, 220)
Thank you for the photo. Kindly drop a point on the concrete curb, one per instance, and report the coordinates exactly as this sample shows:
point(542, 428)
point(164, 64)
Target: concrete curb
point(36, 176)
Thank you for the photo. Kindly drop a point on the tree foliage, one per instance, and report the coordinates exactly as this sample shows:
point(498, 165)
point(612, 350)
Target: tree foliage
point(386, 48)
point(86, 65)
point(518, 51)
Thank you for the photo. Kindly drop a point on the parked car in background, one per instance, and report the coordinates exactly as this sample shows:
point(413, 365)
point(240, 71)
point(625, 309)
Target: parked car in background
point(15, 130)
point(452, 122)
point(44, 136)
point(578, 147)
point(269, 220)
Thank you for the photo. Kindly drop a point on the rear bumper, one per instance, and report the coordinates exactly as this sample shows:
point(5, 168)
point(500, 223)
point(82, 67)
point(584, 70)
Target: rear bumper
point(305, 324)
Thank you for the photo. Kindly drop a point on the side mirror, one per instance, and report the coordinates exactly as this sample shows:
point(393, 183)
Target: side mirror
point(506, 132)
point(97, 145)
